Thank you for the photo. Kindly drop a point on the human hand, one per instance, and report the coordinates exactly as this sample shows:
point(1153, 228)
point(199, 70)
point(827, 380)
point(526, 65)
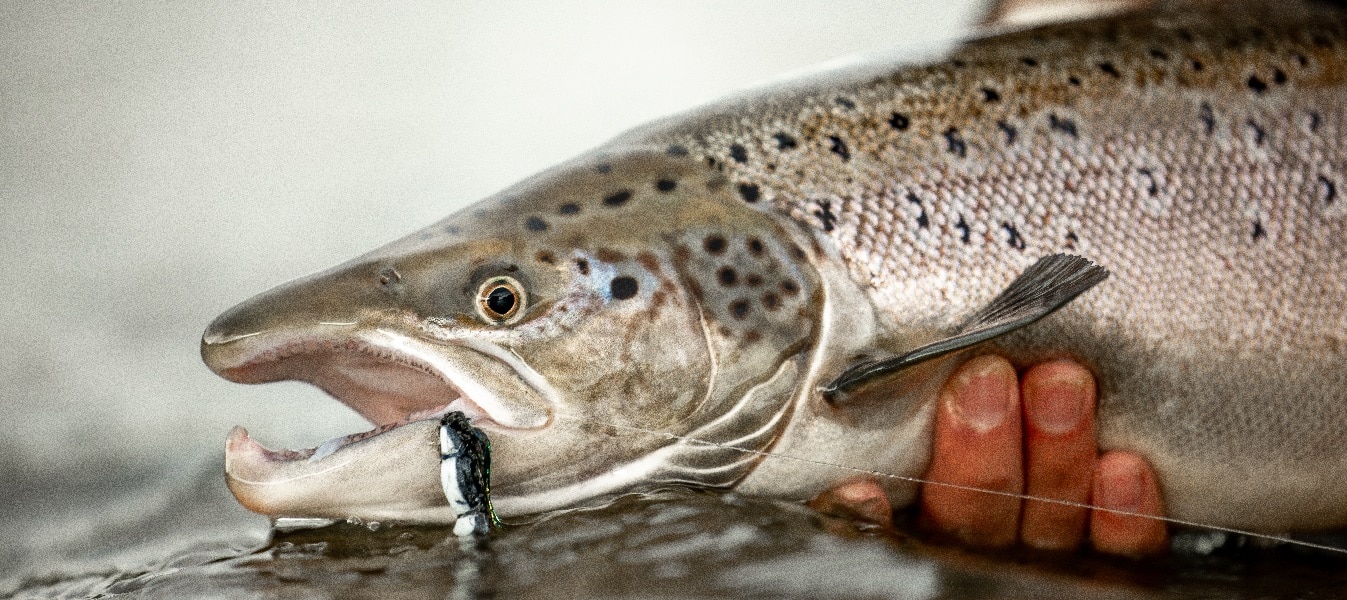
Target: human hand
point(1034, 436)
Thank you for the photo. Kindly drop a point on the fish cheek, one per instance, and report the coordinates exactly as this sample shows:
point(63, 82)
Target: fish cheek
point(633, 363)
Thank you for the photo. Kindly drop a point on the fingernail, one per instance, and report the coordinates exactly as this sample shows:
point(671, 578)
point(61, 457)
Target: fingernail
point(1058, 403)
point(1121, 489)
point(978, 396)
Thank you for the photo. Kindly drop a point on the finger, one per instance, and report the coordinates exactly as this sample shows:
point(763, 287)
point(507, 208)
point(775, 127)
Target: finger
point(977, 444)
point(860, 498)
point(1060, 452)
point(1126, 482)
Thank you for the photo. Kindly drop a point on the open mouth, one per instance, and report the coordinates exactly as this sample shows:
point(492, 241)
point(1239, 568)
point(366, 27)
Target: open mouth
point(399, 383)
point(386, 387)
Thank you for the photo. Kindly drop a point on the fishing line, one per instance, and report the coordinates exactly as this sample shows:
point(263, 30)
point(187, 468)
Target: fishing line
point(1020, 496)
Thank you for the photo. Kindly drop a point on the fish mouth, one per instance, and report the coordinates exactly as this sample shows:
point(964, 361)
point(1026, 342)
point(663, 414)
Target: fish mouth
point(402, 385)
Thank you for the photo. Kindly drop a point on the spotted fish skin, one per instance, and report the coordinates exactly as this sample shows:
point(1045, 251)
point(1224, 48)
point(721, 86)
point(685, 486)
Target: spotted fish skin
point(691, 284)
point(1201, 156)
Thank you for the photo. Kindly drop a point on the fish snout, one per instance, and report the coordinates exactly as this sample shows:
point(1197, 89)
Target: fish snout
point(327, 304)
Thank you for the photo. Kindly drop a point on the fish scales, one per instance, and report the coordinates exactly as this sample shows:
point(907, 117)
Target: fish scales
point(1199, 156)
point(696, 280)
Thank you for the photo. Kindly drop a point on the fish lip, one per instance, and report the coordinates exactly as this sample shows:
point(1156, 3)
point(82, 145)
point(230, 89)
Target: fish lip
point(272, 356)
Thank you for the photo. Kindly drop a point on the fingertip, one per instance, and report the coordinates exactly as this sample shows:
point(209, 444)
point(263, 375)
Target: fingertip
point(982, 394)
point(977, 445)
point(1060, 452)
point(1058, 397)
point(861, 498)
point(1126, 488)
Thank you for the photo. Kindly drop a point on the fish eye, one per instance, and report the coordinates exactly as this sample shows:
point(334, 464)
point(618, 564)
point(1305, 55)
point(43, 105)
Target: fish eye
point(500, 298)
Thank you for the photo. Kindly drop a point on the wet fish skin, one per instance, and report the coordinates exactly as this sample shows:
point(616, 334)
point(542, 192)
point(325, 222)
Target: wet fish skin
point(1198, 153)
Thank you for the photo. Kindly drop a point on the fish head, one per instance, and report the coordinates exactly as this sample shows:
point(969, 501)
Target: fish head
point(614, 324)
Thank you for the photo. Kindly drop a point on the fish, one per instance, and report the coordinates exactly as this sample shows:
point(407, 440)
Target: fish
point(765, 294)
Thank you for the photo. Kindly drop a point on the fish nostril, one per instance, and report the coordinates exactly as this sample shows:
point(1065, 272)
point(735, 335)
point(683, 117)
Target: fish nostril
point(389, 277)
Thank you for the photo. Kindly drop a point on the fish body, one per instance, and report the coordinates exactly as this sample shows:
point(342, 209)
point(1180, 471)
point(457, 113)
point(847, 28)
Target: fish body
point(681, 294)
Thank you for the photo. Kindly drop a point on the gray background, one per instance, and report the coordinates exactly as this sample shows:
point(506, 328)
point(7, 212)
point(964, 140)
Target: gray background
point(162, 161)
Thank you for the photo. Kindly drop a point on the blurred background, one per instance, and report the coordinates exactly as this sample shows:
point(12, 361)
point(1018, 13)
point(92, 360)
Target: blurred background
point(162, 161)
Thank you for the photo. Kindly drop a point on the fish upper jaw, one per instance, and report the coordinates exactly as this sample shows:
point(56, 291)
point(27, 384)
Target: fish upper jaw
point(386, 376)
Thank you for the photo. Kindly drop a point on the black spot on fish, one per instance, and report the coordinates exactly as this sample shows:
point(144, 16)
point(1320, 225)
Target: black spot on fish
point(1259, 134)
point(1314, 122)
point(1071, 240)
point(839, 147)
point(623, 287)
point(790, 288)
point(604, 168)
point(1208, 117)
point(899, 121)
point(739, 309)
point(676, 150)
point(1278, 77)
point(1066, 126)
point(666, 185)
point(958, 63)
point(1257, 84)
point(1322, 41)
point(749, 192)
point(1159, 54)
point(1029, 61)
point(1013, 238)
point(844, 102)
point(922, 221)
point(617, 198)
point(825, 215)
point(755, 246)
point(1009, 130)
point(714, 244)
point(727, 276)
point(1073, 80)
point(1152, 189)
point(582, 265)
point(1111, 70)
point(569, 208)
point(785, 141)
point(753, 280)
point(1258, 231)
point(771, 301)
point(535, 224)
point(954, 143)
point(964, 230)
point(545, 257)
point(1184, 35)
point(1330, 191)
point(1302, 60)
point(1196, 65)
point(990, 95)
point(738, 153)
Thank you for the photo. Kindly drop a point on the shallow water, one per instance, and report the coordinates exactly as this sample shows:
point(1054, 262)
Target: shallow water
point(181, 535)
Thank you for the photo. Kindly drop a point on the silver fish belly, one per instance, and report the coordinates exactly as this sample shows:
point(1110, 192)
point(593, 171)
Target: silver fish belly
point(698, 279)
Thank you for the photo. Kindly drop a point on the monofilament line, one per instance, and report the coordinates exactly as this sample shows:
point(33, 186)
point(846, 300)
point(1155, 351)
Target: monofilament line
point(859, 470)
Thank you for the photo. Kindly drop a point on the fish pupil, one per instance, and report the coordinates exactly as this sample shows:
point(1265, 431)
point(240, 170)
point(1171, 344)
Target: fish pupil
point(501, 300)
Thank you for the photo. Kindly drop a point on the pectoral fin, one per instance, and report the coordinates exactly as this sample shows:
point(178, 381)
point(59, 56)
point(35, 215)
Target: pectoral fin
point(1044, 287)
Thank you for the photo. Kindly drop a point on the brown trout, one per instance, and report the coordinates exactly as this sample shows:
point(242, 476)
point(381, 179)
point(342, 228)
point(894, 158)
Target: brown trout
point(670, 308)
